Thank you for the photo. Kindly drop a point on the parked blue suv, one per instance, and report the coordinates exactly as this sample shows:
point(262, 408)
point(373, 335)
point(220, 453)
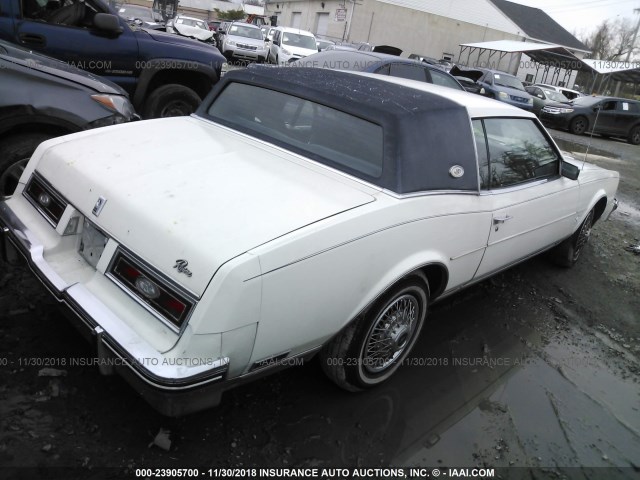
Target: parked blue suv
point(499, 85)
point(164, 74)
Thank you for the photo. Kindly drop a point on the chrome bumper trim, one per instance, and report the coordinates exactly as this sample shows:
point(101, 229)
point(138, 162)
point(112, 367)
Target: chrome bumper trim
point(113, 337)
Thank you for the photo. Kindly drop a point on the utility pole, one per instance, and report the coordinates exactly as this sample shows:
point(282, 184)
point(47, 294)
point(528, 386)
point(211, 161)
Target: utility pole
point(353, 2)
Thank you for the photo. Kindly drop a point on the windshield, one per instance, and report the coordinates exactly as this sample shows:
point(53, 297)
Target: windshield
point(586, 101)
point(555, 96)
point(136, 12)
point(507, 81)
point(242, 31)
point(192, 23)
point(300, 41)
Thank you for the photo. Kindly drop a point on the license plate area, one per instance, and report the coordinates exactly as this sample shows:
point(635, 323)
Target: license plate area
point(92, 243)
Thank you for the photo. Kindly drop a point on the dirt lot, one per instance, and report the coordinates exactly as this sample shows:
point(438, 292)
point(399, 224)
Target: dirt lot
point(536, 368)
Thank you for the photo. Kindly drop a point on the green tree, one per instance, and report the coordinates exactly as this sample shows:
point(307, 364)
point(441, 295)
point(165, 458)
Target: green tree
point(229, 15)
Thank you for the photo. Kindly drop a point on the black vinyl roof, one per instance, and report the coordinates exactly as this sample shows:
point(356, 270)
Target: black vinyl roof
point(537, 24)
point(425, 133)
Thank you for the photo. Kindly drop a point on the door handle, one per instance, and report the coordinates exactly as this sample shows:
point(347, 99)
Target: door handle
point(32, 39)
point(499, 220)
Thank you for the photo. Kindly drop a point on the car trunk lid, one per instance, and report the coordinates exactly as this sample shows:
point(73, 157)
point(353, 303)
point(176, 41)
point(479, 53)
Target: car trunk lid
point(187, 189)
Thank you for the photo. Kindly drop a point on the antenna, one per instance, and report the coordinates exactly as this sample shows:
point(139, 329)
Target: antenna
point(595, 122)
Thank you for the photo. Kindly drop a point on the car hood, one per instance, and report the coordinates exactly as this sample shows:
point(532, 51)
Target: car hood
point(560, 104)
point(473, 75)
point(300, 51)
point(34, 61)
point(388, 49)
point(206, 196)
point(175, 39)
point(195, 32)
point(246, 40)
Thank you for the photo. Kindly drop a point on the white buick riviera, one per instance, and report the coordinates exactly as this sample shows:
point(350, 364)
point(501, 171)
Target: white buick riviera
point(299, 212)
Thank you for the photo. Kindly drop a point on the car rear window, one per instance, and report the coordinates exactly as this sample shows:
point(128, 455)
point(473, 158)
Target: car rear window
point(325, 134)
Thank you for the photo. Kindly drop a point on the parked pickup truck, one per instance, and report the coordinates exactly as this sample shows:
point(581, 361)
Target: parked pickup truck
point(165, 75)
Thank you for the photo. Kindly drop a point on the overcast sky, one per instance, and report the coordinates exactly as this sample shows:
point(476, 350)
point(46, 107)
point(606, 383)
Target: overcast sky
point(584, 15)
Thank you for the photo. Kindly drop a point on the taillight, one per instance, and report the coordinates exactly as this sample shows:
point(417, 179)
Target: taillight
point(149, 287)
point(46, 200)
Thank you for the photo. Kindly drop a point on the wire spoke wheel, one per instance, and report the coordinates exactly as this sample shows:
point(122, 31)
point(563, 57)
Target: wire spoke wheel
point(390, 334)
point(583, 235)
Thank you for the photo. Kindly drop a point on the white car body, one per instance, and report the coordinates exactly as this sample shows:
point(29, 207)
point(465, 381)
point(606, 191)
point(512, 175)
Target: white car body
point(290, 44)
point(190, 27)
point(243, 41)
point(278, 251)
point(567, 92)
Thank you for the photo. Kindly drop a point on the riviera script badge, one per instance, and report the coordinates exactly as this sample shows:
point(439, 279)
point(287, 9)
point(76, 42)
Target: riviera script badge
point(181, 266)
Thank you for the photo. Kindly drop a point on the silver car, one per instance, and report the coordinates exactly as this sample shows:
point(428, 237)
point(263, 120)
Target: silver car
point(243, 41)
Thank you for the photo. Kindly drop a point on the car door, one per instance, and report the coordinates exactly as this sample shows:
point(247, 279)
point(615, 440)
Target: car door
point(607, 116)
point(532, 206)
point(113, 56)
point(626, 115)
point(538, 98)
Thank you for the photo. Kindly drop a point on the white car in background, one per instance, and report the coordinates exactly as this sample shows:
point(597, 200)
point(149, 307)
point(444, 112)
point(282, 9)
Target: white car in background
point(243, 41)
point(311, 212)
point(567, 92)
point(190, 27)
point(290, 44)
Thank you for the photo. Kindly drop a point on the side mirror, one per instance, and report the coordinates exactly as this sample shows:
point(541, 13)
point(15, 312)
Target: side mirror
point(107, 22)
point(570, 171)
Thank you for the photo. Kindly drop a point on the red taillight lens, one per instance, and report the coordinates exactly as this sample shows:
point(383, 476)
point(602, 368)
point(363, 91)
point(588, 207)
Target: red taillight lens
point(146, 285)
point(45, 199)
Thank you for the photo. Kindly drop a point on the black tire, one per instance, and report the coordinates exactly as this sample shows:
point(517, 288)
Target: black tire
point(15, 152)
point(634, 136)
point(579, 125)
point(171, 100)
point(369, 350)
point(567, 253)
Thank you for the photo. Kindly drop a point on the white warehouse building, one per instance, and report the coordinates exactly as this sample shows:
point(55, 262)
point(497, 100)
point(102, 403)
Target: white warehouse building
point(438, 28)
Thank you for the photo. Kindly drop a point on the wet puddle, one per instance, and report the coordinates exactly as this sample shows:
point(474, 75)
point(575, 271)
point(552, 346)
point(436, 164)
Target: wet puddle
point(508, 384)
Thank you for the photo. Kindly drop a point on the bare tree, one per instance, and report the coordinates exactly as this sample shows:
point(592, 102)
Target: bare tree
point(612, 40)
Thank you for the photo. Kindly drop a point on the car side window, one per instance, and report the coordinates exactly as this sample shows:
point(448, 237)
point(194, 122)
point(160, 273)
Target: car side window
point(70, 13)
point(411, 72)
point(440, 78)
point(512, 151)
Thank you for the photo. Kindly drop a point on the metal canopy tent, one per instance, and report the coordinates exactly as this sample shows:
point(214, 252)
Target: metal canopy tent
point(544, 55)
point(617, 71)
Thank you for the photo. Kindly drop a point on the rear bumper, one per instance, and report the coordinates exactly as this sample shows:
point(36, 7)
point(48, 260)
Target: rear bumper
point(175, 389)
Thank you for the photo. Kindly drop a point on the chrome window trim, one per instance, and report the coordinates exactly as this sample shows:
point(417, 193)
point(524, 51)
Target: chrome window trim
point(515, 188)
